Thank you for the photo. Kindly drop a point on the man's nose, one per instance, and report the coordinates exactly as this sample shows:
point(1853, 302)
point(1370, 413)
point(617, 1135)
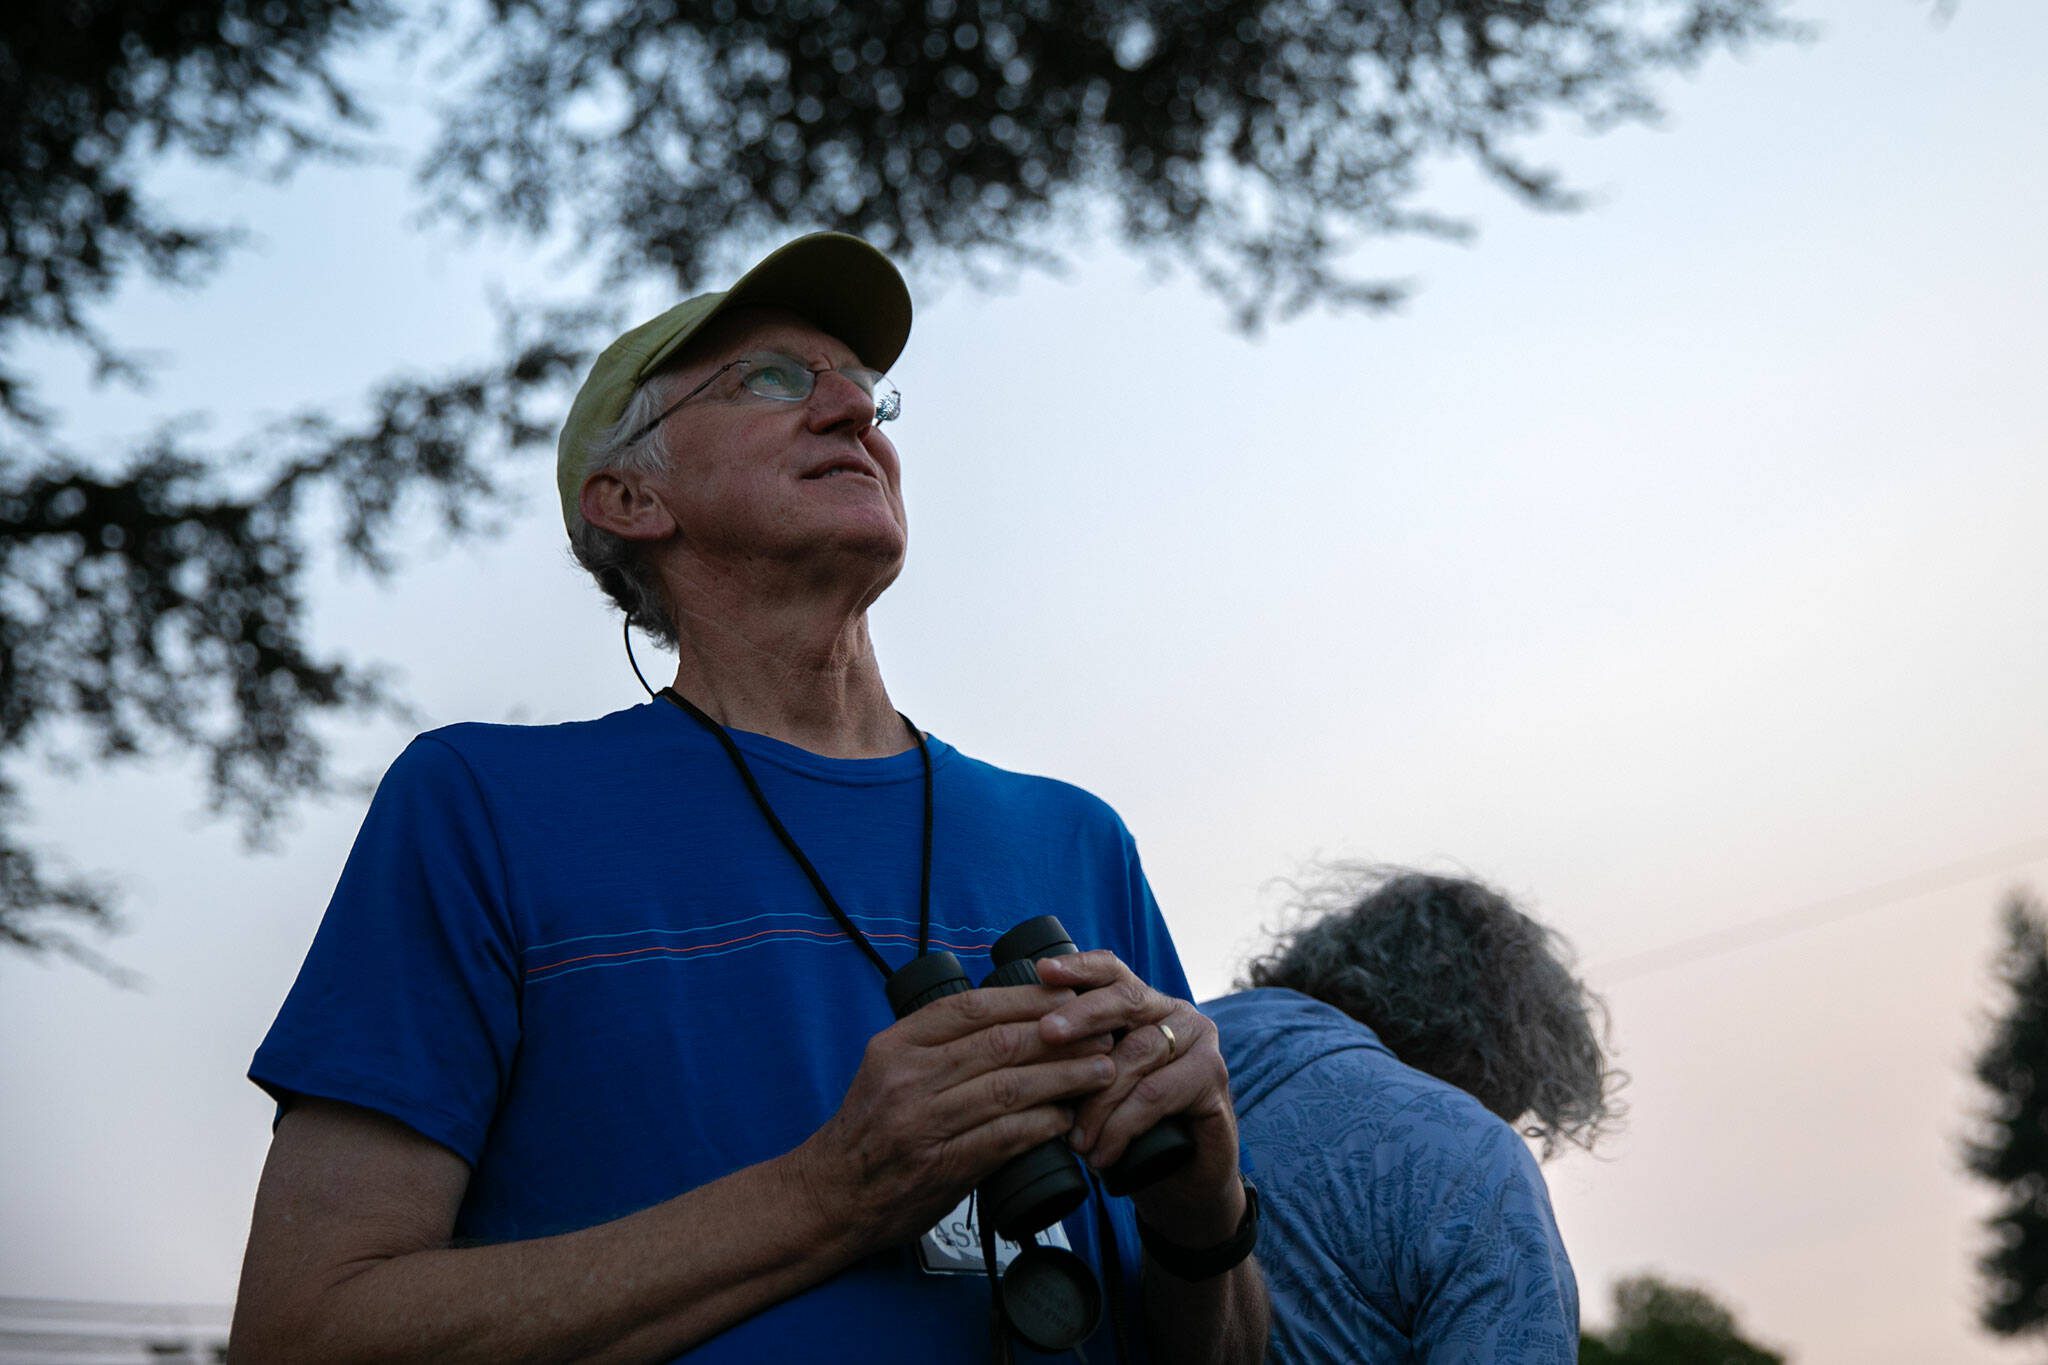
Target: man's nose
point(837, 401)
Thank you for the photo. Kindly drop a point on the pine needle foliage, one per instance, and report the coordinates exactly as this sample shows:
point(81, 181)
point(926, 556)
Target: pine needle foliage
point(2012, 1150)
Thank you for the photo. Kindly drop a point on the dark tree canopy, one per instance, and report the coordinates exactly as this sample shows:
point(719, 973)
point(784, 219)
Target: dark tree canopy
point(1252, 141)
point(152, 602)
point(152, 598)
point(90, 90)
point(1660, 1323)
point(2012, 1151)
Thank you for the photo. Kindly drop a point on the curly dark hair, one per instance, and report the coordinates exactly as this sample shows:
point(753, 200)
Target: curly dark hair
point(1460, 984)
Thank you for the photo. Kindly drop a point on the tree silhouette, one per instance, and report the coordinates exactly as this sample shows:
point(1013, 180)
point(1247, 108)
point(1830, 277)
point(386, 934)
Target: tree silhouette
point(2013, 1150)
point(152, 599)
point(1660, 1323)
point(90, 91)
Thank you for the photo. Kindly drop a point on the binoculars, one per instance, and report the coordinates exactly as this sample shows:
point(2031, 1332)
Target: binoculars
point(1035, 1189)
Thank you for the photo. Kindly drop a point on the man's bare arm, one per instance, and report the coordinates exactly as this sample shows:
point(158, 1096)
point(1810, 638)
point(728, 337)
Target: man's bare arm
point(349, 1254)
point(349, 1258)
point(1223, 1319)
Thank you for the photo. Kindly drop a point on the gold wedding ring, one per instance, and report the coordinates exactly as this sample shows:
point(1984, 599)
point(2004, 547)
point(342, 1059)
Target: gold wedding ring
point(1172, 1043)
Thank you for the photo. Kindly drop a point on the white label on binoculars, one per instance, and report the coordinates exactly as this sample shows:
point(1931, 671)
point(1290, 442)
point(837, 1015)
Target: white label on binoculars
point(953, 1246)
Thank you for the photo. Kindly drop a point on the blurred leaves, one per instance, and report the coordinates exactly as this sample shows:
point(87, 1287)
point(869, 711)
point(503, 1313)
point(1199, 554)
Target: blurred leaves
point(148, 604)
point(91, 91)
point(1252, 142)
point(1657, 1322)
point(160, 608)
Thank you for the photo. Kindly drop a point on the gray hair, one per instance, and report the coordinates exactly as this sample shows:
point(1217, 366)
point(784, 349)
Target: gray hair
point(1460, 984)
point(620, 566)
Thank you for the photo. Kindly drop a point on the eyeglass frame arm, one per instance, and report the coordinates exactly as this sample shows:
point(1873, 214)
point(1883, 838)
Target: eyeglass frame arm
point(709, 379)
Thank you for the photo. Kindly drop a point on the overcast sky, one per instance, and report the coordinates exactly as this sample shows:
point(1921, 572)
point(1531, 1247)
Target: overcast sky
point(1673, 564)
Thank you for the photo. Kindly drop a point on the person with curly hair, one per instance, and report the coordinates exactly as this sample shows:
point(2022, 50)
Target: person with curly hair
point(1387, 1057)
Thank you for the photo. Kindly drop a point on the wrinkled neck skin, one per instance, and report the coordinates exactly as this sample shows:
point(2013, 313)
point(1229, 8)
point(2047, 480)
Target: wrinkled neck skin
point(785, 655)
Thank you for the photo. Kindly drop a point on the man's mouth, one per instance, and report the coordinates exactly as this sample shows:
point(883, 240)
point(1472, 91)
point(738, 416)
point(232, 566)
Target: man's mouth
point(842, 467)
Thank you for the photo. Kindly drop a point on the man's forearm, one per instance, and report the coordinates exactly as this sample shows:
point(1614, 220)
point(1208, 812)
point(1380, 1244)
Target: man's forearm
point(1218, 1321)
point(643, 1287)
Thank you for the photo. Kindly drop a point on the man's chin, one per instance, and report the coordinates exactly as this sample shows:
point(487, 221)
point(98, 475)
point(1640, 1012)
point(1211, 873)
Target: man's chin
point(875, 552)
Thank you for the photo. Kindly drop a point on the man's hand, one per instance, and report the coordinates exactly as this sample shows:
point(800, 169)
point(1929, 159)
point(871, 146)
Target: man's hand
point(942, 1098)
point(1156, 1078)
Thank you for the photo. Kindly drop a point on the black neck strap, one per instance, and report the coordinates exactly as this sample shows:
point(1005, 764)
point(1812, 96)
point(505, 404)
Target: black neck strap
point(924, 890)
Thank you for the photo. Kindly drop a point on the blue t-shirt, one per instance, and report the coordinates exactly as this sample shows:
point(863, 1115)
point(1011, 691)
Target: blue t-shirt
point(1400, 1220)
point(577, 956)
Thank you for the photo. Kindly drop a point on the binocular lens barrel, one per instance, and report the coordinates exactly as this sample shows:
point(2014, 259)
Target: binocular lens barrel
point(1032, 1190)
point(925, 979)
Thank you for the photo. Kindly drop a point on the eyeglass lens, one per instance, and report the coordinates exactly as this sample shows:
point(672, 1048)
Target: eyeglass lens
point(787, 379)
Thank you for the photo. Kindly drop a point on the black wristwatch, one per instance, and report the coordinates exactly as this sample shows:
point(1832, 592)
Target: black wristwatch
point(1185, 1263)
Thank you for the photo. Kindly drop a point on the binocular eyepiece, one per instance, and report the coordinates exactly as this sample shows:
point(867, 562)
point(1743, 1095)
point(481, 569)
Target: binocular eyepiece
point(1035, 1189)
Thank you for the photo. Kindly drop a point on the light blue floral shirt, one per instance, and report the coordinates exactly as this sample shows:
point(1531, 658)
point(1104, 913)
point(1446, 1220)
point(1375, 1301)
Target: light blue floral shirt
point(1399, 1219)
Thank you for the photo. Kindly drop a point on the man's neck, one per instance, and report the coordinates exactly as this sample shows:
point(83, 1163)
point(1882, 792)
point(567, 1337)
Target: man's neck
point(797, 672)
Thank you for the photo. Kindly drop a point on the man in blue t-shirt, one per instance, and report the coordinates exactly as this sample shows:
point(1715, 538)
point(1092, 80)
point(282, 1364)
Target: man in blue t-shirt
point(1379, 1060)
point(591, 1056)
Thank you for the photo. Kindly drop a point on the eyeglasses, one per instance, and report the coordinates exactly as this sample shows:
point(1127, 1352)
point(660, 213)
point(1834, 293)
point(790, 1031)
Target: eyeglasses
point(785, 379)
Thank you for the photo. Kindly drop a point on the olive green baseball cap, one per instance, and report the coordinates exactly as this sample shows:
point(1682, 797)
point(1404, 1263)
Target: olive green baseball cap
point(837, 282)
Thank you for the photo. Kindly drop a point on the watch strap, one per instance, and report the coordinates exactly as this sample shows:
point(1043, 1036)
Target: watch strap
point(1202, 1263)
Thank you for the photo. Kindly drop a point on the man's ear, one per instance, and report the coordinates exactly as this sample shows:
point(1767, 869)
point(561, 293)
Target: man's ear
point(618, 501)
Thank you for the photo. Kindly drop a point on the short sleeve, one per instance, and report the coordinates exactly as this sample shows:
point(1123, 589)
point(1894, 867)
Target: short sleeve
point(1494, 1282)
point(408, 1001)
point(1154, 958)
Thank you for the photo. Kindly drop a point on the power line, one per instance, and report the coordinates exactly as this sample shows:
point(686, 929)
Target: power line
point(1780, 923)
